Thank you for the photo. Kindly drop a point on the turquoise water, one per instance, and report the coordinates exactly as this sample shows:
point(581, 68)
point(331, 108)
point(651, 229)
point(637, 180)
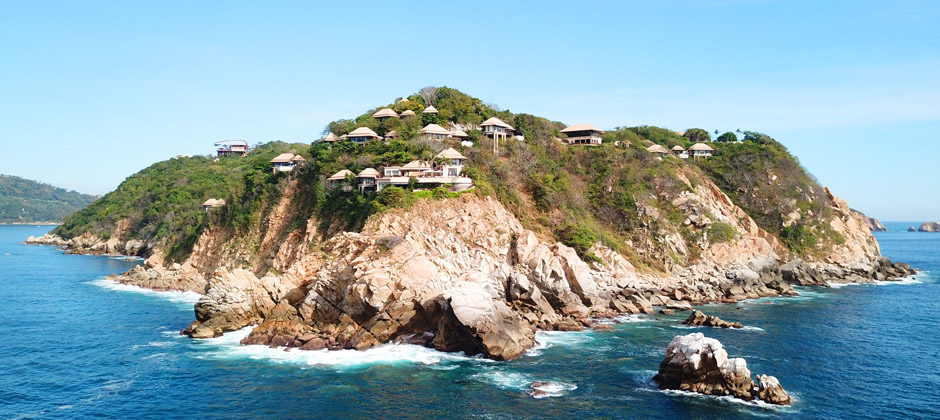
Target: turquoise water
point(76, 346)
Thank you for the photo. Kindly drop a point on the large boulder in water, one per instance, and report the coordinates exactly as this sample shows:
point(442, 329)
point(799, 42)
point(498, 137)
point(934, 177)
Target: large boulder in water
point(929, 227)
point(699, 364)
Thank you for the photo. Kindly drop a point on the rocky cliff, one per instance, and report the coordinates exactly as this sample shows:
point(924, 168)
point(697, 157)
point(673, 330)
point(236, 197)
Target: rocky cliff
point(463, 274)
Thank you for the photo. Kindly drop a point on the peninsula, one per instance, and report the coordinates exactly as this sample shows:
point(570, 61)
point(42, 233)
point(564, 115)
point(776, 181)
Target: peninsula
point(438, 220)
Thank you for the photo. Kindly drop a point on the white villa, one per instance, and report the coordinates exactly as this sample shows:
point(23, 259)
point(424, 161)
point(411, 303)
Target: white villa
point(362, 135)
point(286, 162)
point(426, 174)
point(700, 150)
point(583, 134)
point(231, 148)
point(495, 127)
point(385, 113)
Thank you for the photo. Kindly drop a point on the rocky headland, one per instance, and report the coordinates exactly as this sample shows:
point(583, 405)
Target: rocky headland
point(695, 363)
point(463, 274)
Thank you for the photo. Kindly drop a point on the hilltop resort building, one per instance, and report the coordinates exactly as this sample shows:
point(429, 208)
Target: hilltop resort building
point(231, 148)
point(583, 134)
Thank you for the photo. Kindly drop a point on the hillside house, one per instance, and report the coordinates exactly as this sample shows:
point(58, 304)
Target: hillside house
point(231, 148)
point(212, 203)
point(583, 134)
point(384, 114)
point(458, 134)
point(452, 162)
point(339, 180)
point(330, 138)
point(407, 113)
point(362, 135)
point(392, 135)
point(495, 127)
point(366, 179)
point(286, 162)
point(678, 149)
point(659, 150)
point(700, 150)
point(435, 132)
point(429, 110)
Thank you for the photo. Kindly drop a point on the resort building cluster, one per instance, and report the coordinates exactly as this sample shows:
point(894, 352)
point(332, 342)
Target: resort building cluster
point(446, 170)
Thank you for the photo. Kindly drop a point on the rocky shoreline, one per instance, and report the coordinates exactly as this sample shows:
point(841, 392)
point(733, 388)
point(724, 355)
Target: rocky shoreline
point(461, 275)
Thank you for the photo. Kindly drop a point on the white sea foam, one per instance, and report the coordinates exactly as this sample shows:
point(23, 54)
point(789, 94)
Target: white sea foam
point(228, 347)
point(182, 298)
point(749, 328)
point(732, 400)
point(904, 281)
point(520, 382)
point(563, 338)
point(623, 319)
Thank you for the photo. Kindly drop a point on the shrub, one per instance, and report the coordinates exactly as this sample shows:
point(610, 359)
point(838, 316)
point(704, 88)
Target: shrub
point(720, 232)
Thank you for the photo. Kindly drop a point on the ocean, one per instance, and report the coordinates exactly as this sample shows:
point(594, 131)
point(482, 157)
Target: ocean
point(75, 345)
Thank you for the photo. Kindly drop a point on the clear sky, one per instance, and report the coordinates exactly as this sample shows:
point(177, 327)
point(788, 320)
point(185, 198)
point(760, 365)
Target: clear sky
point(91, 92)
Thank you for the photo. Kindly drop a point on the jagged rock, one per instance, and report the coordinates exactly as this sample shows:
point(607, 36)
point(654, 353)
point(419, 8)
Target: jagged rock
point(474, 321)
point(699, 319)
point(769, 390)
point(698, 364)
point(912, 229)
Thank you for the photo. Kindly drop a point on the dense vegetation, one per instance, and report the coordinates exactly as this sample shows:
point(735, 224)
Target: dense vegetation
point(26, 201)
point(617, 193)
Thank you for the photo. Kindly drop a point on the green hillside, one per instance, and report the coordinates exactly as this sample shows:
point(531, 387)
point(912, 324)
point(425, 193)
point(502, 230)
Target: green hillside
point(27, 201)
point(617, 193)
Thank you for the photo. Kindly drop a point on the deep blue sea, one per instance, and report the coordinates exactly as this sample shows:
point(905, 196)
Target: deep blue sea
point(73, 345)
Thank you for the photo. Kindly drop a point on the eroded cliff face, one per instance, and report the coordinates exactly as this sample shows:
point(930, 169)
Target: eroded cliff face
point(463, 274)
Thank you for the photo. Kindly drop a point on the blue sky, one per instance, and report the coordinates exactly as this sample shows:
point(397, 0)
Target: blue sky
point(91, 92)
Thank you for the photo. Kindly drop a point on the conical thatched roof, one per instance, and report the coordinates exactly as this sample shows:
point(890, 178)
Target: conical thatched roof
point(330, 138)
point(497, 122)
point(363, 132)
point(430, 110)
point(460, 134)
point(701, 147)
point(450, 153)
point(210, 202)
point(434, 129)
point(657, 148)
point(341, 175)
point(417, 164)
point(677, 148)
point(581, 127)
point(298, 158)
point(392, 134)
point(283, 158)
point(385, 113)
point(368, 173)
point(407, 113)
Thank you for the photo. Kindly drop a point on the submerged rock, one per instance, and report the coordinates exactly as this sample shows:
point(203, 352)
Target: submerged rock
point(699, 364)
point(699, 319)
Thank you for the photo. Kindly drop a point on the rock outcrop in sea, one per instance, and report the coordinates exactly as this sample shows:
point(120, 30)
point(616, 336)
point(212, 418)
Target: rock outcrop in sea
point(929, 227)
point(699, 319)
point(699, 364)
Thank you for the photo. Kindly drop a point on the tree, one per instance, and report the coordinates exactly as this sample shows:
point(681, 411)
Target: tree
point(429, 94)
point(728, 137)
point(696, 135)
